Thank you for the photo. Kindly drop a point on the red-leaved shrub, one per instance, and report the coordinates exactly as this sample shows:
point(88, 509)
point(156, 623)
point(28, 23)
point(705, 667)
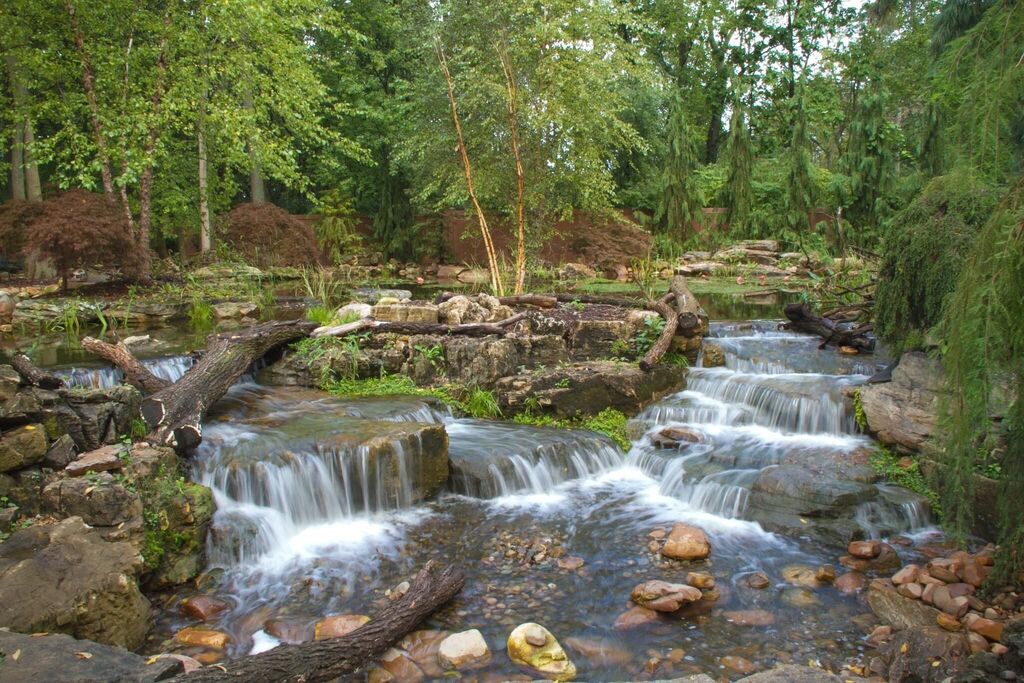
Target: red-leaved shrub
point(76, 229)
point(266, 235)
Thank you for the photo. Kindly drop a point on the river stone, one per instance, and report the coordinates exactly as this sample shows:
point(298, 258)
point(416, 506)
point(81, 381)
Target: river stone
point(422, 647)
point(203, 607)
point(851, 582)
point(22, 447)
point(66, 578)
point(465, 650)
point(354, 310)
point(58, 658)
point(737, 664)
point(750, 617)
point(399, 666)
point(788, 673)
point(531, 645)
point(686, 542)
point(662, 596)
point(800, 598)
point(338, 625)
point(634, 617)
point(198, 636)
point(99, 501)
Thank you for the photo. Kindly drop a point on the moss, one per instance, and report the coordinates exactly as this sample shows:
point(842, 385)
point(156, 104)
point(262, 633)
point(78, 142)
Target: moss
point(471, 401)
point(905, 472)
point(610, 422)
point(175, 515)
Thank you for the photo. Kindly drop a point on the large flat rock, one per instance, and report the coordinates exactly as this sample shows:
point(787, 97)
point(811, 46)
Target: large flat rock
point(66, 578)
point(58, 658)
point(904, 412)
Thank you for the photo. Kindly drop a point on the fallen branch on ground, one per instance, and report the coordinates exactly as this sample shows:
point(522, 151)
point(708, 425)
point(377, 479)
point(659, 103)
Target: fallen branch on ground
point(325, 660)
point(803, 319)
point(33, 375)
point(664, 307)
point(380, 327)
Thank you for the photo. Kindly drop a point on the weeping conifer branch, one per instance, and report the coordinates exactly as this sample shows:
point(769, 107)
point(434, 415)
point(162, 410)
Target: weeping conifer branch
point(738, 190)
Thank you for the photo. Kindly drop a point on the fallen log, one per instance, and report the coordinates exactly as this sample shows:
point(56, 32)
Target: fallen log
point(688, 307)
point(625, 302)
point(174, 413)
point(380, 327)
point(535, 300)
point(803, 319)
point(325, 660)
point(137, 374)
point(664, 307)
point(33, 375)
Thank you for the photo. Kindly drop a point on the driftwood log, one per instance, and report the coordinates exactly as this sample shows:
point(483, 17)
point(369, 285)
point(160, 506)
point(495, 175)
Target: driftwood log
point(174, 413)
point(664, 307)
point(803, 319)
point(687, 306)
point(535, 300)
point(325, 660)
point(137, 374)
point(468, 330)
point(33, 375)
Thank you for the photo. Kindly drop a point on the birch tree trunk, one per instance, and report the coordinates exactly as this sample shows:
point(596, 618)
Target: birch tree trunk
point(204, 199)
point(257, 189)
point(513, 124)
point(33, 188)
point(485, 231)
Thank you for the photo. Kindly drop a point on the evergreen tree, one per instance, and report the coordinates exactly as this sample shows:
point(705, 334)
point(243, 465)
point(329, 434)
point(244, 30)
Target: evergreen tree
point(680, 202)
point(799, 184)
point(738, 193)
point(869, 159)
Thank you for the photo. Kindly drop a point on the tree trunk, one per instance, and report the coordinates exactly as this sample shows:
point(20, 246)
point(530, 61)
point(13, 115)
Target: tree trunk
point(326, 660)
point(513, 124)
point(135, 372)
point(204, 193)
point(671, 315)
point(33, 375)
point(689, 309)
point(174, 414)
point(18, 141)
point(257, 190)
point(485, 231)
point(467, 330)
point(802, 319)
point(33, 188)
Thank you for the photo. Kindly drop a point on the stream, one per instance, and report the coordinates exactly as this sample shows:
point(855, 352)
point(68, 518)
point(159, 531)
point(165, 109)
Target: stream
point(320, 511)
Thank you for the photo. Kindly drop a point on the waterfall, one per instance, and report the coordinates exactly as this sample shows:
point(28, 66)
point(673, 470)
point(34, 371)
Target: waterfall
point(170, 368)
point(492, 459)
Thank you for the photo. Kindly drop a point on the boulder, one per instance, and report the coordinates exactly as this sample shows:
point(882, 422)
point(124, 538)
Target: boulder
point(465, 650)
point(531, 645)
point(904, 411)
point(406, 312)
point(662, 596)
point(460, 310)
point(22, 447)
point(7, 306)
point(102, 459)
point(354, 310)
point(894, 609)
point(686, 542)
point(59, 658)
point(66, 578)
point(233, 310)
point(712, 356)
point(99, 501)
point(62, 452)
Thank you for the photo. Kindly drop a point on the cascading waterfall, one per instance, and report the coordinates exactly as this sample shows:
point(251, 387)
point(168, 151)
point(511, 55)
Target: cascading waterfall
point(170, 368)
point(493, 459)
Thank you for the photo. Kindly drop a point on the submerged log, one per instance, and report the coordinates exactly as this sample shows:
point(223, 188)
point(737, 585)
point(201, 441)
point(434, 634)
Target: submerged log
point(174, 413)
point(380, 327)
point(135, 372)
point(33, 375)
point(664, 307)
point(803, 319)
point(325, 660)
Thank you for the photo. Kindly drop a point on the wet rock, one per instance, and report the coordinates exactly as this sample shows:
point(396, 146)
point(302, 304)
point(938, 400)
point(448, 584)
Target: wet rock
point(712, 356)
point(422, 647)
point(913, 590)
point(22, 446)
point(978, 643)
point(686, 542)
point(99, 501)
point(947, 622)
point(400, 667)
point(570, 562)
point(465, 650)
point(865, 550)
point(338, 625)
point(737, 664)
point(66, 578)
point(600, 651)
point(290, 629)
point(531, 645)
point(203, 607)
point(896, 610)
point(676, 437)
point(825, 573)
point(904, 412)
point(750, 617)
point(851, 582)
point(928, 654)
point(757, 581)
point(887, 560)
point(103, 459)
point(634, 617)
point(700, 580)
point(58, 658)
point(800, 598)
point(196, 636)
point(993, 630)
point(907, 574)
point(662, 596)
point(879, 635)
point(787, 673)
point(801, 575)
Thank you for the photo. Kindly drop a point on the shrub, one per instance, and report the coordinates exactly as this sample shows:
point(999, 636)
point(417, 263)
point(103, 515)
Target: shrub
point(75, 229)
point(266, 235)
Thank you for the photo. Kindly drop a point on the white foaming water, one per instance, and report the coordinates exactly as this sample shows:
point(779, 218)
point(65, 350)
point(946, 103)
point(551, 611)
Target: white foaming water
point(495, 459)
point(170, 368)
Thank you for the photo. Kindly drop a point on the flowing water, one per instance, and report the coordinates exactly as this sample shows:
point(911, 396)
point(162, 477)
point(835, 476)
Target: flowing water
point(322, 507)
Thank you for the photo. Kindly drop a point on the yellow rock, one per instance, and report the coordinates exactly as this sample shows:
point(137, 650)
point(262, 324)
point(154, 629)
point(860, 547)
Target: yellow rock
point(533, 646)
point(203, 637)
point(338, 625)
